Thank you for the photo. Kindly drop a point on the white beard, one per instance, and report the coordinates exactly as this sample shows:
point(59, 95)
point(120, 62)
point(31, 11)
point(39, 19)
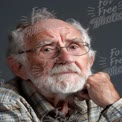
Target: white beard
point(61, 84)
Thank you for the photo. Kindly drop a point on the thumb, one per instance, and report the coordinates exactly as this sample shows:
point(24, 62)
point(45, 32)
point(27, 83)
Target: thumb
point(84, 94)
point(87, 86)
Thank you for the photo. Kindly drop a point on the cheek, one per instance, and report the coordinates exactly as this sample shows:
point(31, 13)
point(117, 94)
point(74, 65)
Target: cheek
point(83, 63)
point(37, 66)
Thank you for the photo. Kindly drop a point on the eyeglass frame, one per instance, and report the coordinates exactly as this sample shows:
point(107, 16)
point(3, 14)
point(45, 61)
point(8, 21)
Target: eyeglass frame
point(58, 52)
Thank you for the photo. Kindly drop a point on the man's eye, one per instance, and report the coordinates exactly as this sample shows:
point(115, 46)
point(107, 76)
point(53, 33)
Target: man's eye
point(46, 49)
point(74, 46)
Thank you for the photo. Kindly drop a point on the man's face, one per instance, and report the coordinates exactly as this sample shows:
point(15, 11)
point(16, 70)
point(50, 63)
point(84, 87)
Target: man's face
point(63, 74)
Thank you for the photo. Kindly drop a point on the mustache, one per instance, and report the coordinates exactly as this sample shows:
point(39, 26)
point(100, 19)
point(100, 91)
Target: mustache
point(65, 68)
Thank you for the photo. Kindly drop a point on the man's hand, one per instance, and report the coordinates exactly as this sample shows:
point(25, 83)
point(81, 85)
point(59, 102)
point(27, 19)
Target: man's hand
point(100, 90)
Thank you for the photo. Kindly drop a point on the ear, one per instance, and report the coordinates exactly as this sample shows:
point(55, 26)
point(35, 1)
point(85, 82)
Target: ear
point(91, 60)
point(17, 68)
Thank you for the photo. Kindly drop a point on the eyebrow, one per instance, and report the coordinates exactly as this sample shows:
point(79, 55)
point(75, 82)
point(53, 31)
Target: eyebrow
point(41, 43)
point(75, 40)
point(45, 42)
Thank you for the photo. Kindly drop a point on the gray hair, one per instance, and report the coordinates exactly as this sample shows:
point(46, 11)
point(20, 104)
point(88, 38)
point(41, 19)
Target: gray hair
point(85, 35)
point(16, 37)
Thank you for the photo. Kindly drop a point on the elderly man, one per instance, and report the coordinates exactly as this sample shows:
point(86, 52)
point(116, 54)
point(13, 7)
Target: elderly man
point(52, 61)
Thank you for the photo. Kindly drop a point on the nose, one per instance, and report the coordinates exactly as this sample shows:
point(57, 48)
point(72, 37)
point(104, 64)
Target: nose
point(64, 56)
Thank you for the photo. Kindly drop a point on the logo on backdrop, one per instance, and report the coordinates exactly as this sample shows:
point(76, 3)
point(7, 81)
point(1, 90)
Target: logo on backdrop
point(113, 63)
point(106, 11)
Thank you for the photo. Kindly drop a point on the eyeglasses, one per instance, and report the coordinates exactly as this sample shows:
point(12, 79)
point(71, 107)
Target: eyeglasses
point(50, 51)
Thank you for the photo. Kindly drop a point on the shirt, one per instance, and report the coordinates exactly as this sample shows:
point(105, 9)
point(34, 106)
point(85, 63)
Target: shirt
point(20, 102)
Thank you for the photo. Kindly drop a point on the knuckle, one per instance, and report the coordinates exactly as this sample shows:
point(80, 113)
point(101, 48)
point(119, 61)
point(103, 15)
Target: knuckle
point(103, 74)
point(90, 78)
point(100, 73)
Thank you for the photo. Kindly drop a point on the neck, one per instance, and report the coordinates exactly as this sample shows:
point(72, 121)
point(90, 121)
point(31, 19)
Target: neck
point(60, 104)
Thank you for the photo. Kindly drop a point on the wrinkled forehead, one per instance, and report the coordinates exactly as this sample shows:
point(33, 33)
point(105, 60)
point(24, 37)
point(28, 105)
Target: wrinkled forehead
point(53, 23)
point(45, 27)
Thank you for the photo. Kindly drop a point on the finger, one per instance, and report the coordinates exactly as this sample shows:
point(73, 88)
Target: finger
point(87, 86)
point(106, 75)
point(84, 94)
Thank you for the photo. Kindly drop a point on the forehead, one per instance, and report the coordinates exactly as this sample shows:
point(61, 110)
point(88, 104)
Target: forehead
point(53, 24)
point(49, 28)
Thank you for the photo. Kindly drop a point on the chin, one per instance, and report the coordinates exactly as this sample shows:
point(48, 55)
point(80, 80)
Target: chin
point(64, 89)
point(66, 85)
